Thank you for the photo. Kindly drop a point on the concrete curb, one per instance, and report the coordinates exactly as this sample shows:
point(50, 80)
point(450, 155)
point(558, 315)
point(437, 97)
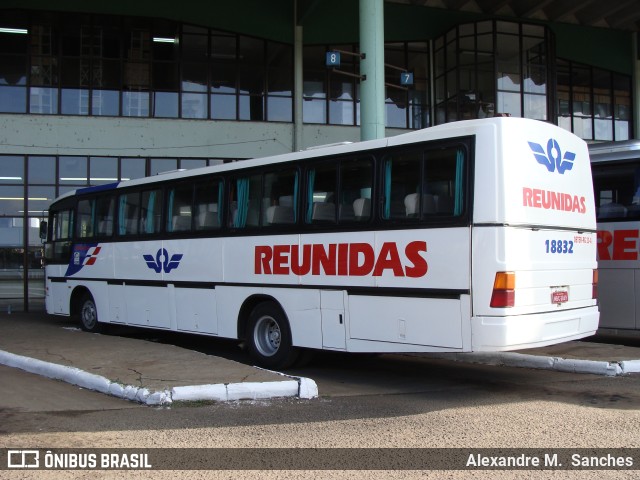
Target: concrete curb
point(293, 387)
point(511, 359)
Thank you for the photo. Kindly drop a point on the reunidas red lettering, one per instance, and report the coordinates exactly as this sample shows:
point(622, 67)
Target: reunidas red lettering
point(341, 259)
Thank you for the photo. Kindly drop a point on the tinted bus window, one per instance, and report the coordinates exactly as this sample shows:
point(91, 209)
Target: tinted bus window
point(617, 191)
point(179, 214)
point(208, 205)
point(321, 186)
point(140, 213)
point(356, 181)
point(280, 194)
point(105, 209)
point(423, 185)
point(86, 218)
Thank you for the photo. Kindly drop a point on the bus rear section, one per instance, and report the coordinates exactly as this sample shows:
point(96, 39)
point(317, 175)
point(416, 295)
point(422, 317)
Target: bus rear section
point(534, 271)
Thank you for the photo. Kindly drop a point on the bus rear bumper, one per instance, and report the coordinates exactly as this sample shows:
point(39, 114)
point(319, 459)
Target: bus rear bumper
point(490, 334)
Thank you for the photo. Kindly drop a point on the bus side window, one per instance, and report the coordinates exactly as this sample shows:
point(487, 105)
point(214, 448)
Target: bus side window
point(179, 215)
point(424, 185)
point(86, 218)
point(244, 202)
point(95, 217)
point(444, 182)
point(105, 207)
point(401, 186)
point(59, 247)
point(208, 209)
point(321, 185)
point(280, 198)
point(128, 213)
point(616, 190)
point(356, 181)
point(151, 211)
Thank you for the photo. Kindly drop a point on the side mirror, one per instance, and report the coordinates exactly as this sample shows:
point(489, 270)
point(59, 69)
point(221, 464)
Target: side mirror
point(43, 230)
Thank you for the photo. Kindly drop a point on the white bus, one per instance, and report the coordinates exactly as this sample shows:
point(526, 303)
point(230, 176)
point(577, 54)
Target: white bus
point(470, 236)
point(616, 181)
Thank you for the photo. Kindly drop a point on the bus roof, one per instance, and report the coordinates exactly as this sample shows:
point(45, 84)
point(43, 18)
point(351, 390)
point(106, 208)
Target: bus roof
point(612, 151)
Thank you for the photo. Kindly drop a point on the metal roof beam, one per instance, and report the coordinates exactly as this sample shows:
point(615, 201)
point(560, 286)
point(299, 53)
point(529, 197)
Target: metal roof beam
point(596, 12)
point(560, 10)
point(528, 8)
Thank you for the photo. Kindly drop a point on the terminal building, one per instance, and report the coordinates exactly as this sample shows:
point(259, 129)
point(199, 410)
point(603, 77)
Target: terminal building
point(97, 92)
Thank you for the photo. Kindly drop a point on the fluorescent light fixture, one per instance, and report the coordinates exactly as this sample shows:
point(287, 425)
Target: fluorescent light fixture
point(165, 40)
point(22, 198)
point(10, 178)
point(22, 31)
point(92, 179)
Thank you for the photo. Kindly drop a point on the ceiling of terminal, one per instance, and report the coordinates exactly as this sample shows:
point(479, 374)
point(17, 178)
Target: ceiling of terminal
point(618, 14)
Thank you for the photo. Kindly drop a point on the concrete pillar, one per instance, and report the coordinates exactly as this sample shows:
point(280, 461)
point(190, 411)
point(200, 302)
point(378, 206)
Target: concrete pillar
point(298, 87)
point(635, 88)
point(372, 111)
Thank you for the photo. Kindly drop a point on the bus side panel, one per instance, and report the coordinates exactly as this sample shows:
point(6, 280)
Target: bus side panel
point(420, 321)
point(435, 258)
point(619, 273)
point(140, 266)
point(196, 310)
point(198, 263)
point(148, 306)
point(617, 298)
point(117, 303)
point(259, 260)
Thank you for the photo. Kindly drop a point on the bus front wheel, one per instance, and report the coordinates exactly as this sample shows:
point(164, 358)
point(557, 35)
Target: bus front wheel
point(269, 337)
point(89, 315)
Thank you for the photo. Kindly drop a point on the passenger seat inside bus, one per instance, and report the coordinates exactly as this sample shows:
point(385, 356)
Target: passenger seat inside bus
point(362, 208)
point(412, 206)
point(612, 210)
point(279, 215)
point(207, 216)
point(324, 212)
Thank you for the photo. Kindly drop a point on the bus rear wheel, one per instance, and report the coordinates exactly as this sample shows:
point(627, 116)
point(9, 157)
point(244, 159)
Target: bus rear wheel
point(269, 337)
point(89, 315)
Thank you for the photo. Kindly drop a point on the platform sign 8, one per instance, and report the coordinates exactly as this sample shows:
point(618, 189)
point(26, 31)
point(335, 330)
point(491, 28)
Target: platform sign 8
point(333, 59)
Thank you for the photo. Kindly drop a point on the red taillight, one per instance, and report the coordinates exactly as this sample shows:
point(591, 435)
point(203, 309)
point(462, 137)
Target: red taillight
point(594, 285)
point(504, 290)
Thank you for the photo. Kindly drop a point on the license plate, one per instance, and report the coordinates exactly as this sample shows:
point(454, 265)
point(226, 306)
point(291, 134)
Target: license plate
point(559, 296)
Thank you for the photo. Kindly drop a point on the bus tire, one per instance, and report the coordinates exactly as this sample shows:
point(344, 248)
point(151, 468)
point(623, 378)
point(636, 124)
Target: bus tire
point(89, 315)
point(269, 337)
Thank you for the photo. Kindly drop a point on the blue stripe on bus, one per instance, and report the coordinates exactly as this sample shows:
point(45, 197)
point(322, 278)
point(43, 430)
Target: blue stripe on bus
point(97, 188)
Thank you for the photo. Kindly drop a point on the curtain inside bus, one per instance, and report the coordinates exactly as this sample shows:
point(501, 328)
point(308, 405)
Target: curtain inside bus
point(240, 220)
point(311, 181)
point(122, 225)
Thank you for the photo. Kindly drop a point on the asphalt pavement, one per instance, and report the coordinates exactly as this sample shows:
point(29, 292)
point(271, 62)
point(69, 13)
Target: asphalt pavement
point(158, 373)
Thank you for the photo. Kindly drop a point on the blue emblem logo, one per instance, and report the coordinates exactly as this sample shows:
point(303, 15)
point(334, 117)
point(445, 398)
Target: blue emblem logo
point(552, 158)
point(162, 262)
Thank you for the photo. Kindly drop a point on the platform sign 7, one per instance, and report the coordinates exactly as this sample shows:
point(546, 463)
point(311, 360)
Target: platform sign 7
point(406, 78)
